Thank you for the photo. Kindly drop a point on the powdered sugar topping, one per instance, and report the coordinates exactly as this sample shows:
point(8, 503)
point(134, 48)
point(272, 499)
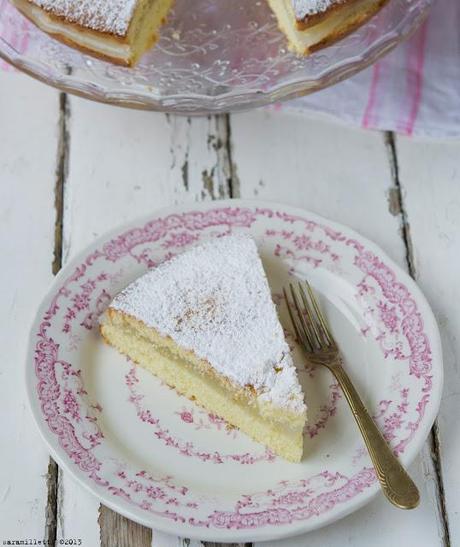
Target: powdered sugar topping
point(304, 8)
point(215, 300)
point(112, 16)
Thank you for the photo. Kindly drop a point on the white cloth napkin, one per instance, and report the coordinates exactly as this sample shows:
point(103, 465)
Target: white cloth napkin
point(415, 90)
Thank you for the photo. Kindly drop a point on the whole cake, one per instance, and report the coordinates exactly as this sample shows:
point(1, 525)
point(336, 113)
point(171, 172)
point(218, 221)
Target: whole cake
point(204, 322)
point(122, 30)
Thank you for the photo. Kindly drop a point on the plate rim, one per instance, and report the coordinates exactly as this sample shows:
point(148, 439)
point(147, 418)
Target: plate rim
point(224, 535)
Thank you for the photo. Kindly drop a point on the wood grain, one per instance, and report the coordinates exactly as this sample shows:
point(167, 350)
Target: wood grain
point(118, 531)
point(52, 504)
point(430, 182)
point(70, 170)
point(138, 162)
point(347, 175)
point(27, 178)
point(51, 509)
point(434, 438)
point(210, 544)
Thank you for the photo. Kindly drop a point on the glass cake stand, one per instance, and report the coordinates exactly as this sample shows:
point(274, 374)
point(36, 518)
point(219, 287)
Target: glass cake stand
point(221, 56)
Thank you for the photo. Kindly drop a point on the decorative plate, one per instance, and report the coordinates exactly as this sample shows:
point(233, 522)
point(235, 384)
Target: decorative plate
point(220, 56)
point(156, 457)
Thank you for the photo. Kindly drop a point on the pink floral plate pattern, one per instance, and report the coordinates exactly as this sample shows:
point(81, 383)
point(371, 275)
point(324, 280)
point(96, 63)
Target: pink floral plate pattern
point(161, 460)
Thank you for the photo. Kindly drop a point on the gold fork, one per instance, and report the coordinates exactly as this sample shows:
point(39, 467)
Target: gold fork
point(314, 335)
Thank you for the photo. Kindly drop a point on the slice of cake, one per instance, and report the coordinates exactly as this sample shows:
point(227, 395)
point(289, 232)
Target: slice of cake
point(116, 30)
point(205, 323)
point(310, 25)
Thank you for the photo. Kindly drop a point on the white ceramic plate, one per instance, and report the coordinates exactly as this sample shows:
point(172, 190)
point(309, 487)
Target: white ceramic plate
point(160, 460)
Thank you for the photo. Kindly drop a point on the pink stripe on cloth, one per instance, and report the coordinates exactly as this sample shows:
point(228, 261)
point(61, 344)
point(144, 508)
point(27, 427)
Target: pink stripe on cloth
point(3, 64)
point(17, 42)
point(11, 37)
point(377, 95)
point(414, 81)
point(369, 113)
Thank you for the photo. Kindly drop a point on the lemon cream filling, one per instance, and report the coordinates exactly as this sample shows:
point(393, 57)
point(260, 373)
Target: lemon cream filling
point(205, 323)
point(178, 369)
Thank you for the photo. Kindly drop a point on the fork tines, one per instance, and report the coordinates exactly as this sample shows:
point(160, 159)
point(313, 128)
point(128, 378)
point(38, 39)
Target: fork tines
point(310, 325)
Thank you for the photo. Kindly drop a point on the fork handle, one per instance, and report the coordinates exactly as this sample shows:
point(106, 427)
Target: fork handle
point(396, 484)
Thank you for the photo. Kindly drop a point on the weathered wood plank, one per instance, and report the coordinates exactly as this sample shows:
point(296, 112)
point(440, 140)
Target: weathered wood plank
point(429, 174)
point(138, 162)
point(345, 175)
point(29, 118)
point(123, 164)
point(120, 531)
point(165, 540)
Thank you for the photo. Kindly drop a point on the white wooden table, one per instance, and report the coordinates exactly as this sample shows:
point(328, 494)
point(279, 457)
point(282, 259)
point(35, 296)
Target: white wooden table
point(71, 169)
